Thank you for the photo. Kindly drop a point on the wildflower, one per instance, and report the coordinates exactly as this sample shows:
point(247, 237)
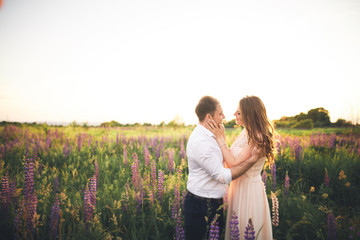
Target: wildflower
point(234, 227)
point(153, 175)
point(249, 231)
point(54, 218)
point(87, 205)
point(160, 185)
point(326, 178)
point(273, 175)
point(347, 184)
point(182, 149)
point(287, 184)
point(325, 195)
point(125, 156)
point(214, 229)
point(176, 202)
point(342, 175)
point(298, 152)
point(278, 148)
point(312, 189)
point(180, 234)
point(170, 155)
point(5, 191)
point(93, 187)
point(331, 226)
point(275, 209)
point(146, 156)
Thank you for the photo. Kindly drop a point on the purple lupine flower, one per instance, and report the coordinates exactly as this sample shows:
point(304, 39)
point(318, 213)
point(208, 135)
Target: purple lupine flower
point(180, 234)
point(87, 205)
point(158, 152)
point(286, 185)
point(170, 155)
point(54, 218)
point(153, 175)
point(182, 149)
point(29, 178)
point(65, 150)
point(249, 231)
point(135, 175)
point(160, 189)
point(146, 156)
point(183, 196)
point(273, 175)
point(327, 180)
point(17, 220)
point(278, 147)
point(176, 202)
point(214, 229)
point(331, 226)
point(264, 178)
point(31, 206)
point(93, 187)
point(234, 227)
point(332, 141)
point(48, 142)
point(298, 152)
point(5, 192)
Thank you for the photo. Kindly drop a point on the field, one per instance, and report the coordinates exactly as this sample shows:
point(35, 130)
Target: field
point(129, 183)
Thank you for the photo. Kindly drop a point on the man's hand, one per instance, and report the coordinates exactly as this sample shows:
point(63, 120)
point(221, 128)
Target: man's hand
point(256, 153)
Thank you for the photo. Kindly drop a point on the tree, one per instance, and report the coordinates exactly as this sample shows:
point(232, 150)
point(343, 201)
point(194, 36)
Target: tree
point(320, 117)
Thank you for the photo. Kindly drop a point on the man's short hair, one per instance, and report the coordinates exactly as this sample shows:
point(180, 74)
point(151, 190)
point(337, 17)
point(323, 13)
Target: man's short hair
point(207, 104)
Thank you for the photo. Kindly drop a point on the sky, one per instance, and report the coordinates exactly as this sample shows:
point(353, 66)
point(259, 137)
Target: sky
point(150, 61)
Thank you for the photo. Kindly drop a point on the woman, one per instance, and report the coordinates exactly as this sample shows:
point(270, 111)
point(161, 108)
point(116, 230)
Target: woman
point(247, 197)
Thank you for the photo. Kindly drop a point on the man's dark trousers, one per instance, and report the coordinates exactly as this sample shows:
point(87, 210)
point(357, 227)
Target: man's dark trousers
point(196, 210)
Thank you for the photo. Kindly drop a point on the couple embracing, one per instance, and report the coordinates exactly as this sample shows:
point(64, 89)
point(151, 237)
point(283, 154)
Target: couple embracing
point(213, 165)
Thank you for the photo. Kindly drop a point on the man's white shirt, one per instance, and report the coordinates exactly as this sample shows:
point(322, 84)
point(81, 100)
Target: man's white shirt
point(207, 177)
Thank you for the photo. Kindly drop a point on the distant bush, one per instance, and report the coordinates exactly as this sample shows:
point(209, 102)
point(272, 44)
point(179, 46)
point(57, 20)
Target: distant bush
point(230, 124)
point(342, 123)
point(304, 124)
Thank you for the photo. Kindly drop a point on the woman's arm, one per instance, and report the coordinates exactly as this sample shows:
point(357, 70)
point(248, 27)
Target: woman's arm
point(230, 160)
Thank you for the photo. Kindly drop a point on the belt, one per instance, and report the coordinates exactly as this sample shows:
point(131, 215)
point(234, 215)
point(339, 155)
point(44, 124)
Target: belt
point(204, 199)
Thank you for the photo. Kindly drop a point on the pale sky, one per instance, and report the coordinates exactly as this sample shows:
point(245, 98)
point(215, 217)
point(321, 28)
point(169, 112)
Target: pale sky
point(152, 60)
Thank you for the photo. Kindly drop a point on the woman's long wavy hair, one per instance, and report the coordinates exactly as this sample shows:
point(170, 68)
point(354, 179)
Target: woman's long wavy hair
point(260, 130)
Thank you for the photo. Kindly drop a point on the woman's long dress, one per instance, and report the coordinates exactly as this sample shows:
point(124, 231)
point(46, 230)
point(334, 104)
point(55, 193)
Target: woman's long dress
point(247, 197)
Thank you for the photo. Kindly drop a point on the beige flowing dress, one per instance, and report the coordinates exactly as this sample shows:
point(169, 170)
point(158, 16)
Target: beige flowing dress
point(247, 197)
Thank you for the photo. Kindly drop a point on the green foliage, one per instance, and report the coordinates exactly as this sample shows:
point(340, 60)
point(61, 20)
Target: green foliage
point(302, 230)
point(318, 117)
point(230, 124)
point(303, 124)
point(117, 212)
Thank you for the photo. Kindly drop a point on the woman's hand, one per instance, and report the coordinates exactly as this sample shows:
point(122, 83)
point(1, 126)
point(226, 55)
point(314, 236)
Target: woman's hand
point(217, 130)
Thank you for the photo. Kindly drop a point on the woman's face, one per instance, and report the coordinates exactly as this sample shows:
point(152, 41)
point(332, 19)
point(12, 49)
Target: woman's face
point(238, 117)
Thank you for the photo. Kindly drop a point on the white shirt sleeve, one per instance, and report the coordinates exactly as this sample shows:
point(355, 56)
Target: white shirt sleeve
point(211, 163)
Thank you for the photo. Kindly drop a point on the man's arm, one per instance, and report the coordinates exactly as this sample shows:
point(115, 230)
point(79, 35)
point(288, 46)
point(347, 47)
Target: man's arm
point(240, 169)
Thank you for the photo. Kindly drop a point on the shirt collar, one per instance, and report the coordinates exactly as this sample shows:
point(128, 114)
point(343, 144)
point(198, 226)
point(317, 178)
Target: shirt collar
point(205, 130)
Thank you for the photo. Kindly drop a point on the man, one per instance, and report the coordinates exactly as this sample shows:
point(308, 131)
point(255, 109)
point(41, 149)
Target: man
point(208, 178)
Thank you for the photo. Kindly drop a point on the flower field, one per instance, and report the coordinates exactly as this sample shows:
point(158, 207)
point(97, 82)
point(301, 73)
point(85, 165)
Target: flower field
point(127, 183)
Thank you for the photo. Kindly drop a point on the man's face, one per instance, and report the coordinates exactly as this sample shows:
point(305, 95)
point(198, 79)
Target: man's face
point(219, 115)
